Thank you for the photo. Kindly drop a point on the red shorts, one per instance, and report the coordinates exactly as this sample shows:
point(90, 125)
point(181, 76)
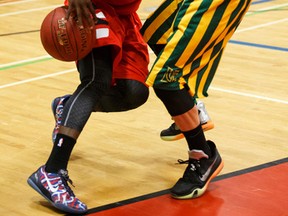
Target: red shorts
point(122, 32)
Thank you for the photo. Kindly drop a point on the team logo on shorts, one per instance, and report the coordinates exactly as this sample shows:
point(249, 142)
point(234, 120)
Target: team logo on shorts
point(170, 75)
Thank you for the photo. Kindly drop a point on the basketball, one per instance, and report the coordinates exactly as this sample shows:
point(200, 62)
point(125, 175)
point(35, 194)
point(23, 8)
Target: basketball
point(65, 40)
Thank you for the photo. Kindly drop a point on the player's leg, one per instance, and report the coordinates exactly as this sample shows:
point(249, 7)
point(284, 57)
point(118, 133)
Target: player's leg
point(125, 95)
point(167, 77)
point(173, 132)
point(206, 38)
point(204, 160)
point(214, 31)
point(201, 78)
point(51, 180)
point(157, 39)
point(158, 26)
point(128, 90)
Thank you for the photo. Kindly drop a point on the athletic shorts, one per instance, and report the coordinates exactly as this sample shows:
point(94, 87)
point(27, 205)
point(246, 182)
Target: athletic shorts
point(195, 34)
point(122, 33)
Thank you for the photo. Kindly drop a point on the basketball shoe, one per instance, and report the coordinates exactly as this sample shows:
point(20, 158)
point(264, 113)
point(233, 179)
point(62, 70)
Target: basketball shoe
point(200, 171)
point(57, 107)
point(54, 188)
point(174, 133)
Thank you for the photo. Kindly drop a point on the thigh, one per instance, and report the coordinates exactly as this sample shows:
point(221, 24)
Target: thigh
point(95, 74)
point(135, 58)
point(201, 30)
point(96, 67)
point(158, 26)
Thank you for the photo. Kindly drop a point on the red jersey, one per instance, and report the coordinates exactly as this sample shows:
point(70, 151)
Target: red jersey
point(122, 33)
point(122, 7)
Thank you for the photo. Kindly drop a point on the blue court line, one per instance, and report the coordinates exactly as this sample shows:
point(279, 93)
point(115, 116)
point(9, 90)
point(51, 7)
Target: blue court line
point(230, 41)
point(260, 1)
point(259, 45)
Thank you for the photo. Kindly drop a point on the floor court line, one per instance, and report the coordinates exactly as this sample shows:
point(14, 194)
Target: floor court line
point(48, 57)
point(36, 78)
point(237, 31)
point(14, 3)
point(25, 61)
point(261, 25)
point(259, 45)
point(68, 71)
point(28, 11)
point(266, 9)
point(248, 95)
point(231, 188)
point(211, 87)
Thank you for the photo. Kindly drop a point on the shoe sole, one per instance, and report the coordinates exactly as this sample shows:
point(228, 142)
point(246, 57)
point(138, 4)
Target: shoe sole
point(172, 138)
point(36, 188)
point(207, 126)
point(200, 191)
point(57, 206)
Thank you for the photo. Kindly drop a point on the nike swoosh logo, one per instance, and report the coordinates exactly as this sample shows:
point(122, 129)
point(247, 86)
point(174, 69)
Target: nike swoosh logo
point(50, 186)
point(206, 174)
point(36, 177)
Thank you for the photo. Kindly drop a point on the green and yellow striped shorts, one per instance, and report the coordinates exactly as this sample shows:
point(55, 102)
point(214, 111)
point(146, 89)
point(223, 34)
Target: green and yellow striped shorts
point(194, 33)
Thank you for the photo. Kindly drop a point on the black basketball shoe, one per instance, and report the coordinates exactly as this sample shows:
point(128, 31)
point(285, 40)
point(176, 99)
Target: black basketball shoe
point(199, 172)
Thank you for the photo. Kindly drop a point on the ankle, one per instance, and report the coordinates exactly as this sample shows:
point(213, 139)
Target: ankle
point(197, 154)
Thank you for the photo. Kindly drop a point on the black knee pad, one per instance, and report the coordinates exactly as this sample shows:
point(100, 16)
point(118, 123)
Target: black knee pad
point(176, 102)
point(134, 93)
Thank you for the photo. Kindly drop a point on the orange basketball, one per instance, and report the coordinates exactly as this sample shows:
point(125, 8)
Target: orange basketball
point(64, 40)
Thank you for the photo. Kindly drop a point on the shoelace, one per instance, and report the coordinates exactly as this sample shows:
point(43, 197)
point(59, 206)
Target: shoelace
point(180, 161)
point(193, 165)
point(65, 179)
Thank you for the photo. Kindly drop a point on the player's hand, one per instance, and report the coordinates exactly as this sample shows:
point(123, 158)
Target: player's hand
point(83, 9)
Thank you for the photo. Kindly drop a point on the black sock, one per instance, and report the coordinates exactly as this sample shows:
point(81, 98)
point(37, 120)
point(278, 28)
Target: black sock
point(196, 140)
point(60, 154)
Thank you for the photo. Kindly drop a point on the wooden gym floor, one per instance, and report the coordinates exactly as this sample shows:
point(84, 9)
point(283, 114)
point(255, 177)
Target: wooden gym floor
point(120, 166)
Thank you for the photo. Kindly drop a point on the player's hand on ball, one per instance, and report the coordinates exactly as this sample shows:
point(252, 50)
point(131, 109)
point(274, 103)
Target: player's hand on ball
point(83, 9)
point(64, 39)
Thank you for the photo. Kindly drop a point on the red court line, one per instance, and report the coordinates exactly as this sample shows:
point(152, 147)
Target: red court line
point(262, 192)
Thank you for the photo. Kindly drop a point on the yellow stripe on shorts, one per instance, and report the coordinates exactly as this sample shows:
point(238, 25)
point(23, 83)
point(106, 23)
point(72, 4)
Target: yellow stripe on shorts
point(195, 34)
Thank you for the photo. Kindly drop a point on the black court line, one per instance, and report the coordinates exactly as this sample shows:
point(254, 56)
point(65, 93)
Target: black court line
point(18, 33)
point(164, 192)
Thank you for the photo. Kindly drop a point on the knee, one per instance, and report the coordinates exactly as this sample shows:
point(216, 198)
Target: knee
point(137, 97)
point(96, 87)
point(176, 102)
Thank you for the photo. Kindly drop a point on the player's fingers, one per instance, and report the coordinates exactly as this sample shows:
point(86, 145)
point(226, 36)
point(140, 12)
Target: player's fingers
point(79, 14)
point(88, 13)
point(82, 10)
point(68, 13)
point(92, 11)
